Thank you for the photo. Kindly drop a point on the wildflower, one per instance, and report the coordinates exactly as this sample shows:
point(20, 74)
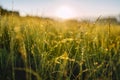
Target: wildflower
point(64, 56)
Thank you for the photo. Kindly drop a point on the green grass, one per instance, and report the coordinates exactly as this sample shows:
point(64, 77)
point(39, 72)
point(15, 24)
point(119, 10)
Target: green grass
point(44, 49)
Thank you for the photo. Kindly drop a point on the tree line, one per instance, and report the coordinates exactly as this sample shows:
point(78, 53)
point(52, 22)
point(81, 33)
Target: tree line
point(111, 19)
point(8, 12)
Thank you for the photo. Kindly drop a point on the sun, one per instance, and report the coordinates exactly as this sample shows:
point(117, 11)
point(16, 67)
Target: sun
point(65, 12)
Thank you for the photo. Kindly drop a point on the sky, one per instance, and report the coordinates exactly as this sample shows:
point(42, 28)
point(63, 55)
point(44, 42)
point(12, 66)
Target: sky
point(64, 8)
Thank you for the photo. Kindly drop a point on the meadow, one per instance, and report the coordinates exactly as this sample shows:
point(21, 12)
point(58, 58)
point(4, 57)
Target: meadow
point(33, 48)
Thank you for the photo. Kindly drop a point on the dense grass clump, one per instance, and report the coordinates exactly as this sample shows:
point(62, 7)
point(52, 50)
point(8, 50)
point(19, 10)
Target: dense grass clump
point(44, 49)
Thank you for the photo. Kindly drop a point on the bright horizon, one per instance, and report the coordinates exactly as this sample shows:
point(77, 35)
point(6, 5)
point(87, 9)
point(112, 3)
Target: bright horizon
point(64, 8)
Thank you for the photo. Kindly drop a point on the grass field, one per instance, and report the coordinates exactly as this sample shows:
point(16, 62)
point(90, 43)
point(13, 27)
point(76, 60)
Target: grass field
point(44, 49)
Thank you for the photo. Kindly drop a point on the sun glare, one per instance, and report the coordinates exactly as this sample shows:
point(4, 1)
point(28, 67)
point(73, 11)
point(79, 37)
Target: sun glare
point(65, 12)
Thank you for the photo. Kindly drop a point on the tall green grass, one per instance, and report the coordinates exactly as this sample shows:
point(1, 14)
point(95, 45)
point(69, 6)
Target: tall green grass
point(44, 49)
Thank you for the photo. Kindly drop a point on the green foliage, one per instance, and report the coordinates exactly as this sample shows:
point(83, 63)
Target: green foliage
point(44, 49)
